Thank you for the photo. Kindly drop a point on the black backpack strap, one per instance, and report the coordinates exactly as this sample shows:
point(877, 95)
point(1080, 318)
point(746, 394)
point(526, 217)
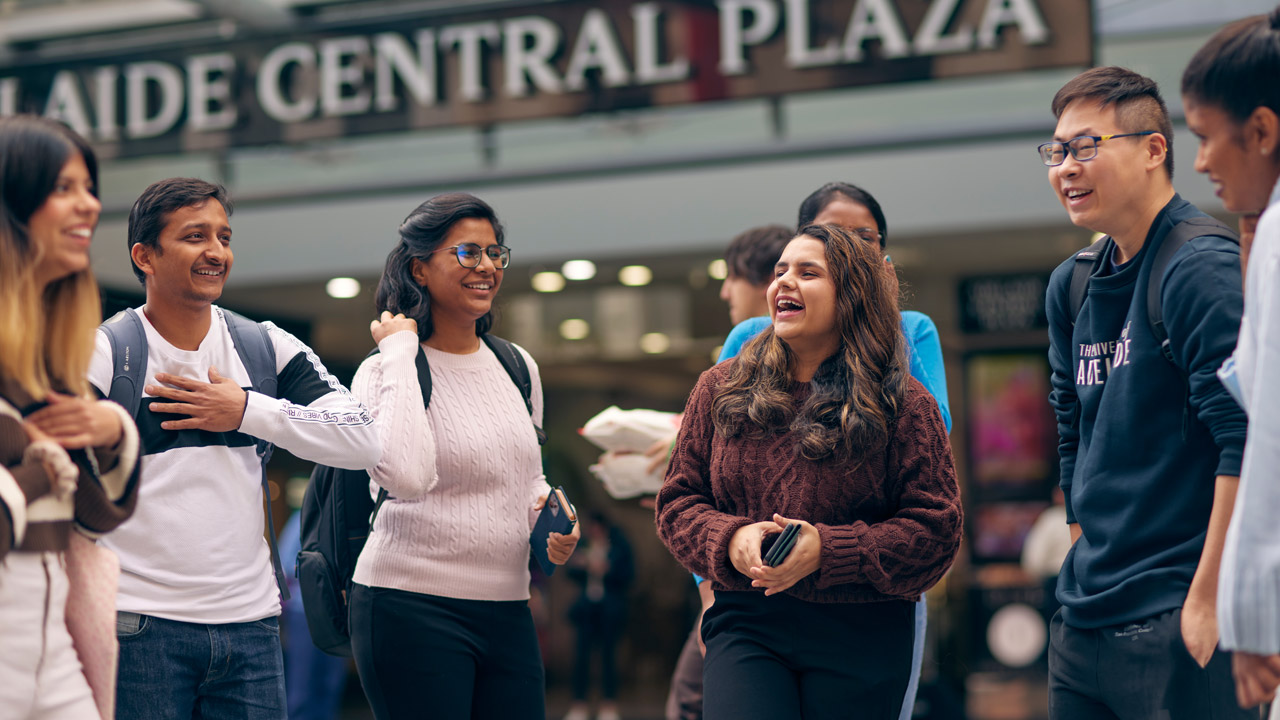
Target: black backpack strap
point(129, 359)
point(1180, 235)
point(513, 362)
point(253, 345)
point(1086, 262)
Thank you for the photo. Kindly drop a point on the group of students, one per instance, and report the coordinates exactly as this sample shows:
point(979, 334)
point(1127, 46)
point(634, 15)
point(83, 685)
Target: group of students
point(828, 419)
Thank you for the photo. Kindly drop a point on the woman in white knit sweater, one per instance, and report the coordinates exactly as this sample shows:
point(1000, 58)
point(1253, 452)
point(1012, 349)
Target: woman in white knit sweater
point(440, 622)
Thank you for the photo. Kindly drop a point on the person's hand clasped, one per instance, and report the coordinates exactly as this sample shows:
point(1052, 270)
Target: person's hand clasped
point(387, 325)
point(1256, 677)
point(804, 559)
point(560, 546)
point(76, 422)
point(216, 406)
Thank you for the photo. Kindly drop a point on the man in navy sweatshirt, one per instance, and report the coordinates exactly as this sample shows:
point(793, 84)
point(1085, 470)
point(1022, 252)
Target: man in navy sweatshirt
point(1150, 447)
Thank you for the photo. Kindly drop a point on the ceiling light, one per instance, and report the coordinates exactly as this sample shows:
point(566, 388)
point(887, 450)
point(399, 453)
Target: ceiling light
point(635, 275)
point(342, 288)
point(574, 329)
point(579, 270)
point(655, 343)
point(718, 269)
point(548, 282)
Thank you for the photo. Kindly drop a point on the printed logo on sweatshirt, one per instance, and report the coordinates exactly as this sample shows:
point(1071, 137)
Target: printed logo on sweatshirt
point(1098, 360)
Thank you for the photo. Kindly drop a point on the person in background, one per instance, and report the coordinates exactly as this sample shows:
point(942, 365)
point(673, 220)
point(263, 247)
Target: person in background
point(817, 423)
point(440, 619)
point(604, 569)
point(1150, 441)
point(1231, 94)
point(313, 681)
point(68, 462)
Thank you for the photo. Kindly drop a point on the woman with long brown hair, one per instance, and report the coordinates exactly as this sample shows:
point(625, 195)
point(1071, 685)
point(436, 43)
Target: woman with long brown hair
point(67, 461)
point(818, 424)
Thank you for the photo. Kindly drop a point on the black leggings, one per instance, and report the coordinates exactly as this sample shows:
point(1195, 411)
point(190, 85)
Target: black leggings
point(428, 656)
point(778, 658)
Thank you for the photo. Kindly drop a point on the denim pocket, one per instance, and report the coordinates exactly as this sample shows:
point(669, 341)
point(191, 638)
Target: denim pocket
point(129, 624)
point(271, 625)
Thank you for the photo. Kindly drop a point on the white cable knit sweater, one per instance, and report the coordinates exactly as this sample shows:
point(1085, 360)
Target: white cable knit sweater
point(464, 474)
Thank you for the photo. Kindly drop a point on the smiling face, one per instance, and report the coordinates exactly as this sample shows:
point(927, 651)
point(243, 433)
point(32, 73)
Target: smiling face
point(193, 258)
point(61, 229)
point(1110, 192)
point(802, 299)
point(460, 295)
point(1234, 155)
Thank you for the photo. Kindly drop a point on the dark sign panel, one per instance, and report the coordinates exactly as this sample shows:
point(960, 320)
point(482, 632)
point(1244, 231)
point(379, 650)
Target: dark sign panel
point(1003, 303)
point(544, 60)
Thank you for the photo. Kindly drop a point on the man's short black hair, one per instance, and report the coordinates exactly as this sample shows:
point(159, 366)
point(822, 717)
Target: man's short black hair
point(1136, 98)
point(1238, 70)
point(752, 254)
point(153, 207)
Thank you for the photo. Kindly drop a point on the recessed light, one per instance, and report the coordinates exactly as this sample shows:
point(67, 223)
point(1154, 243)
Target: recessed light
point(579, 269)
point(718, 269)
point(655, 343)
point(574, 329)
point(547, 282)
point(635, 275)
point(343, 288)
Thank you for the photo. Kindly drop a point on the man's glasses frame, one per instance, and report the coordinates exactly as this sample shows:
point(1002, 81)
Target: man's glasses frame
point(468, 254)
point(1083, 148)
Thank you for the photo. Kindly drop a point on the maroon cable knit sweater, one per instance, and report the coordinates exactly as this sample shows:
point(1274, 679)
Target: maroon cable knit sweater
point(889, 529)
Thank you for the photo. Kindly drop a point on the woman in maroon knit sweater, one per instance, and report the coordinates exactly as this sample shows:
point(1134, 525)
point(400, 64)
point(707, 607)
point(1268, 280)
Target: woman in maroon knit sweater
point(819, 423)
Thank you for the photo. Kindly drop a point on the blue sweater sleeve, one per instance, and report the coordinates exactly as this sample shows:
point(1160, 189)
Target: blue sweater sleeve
point(1203, 302)
point(1062, 396)
point(742, 333)
point(926, 359)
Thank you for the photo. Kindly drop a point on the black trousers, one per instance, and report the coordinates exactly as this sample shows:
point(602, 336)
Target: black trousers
point(424, 656)
point(1136, 671)
point(775, 658)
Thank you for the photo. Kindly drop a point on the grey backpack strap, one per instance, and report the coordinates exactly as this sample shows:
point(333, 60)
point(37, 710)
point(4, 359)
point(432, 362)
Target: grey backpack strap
point(129, 359)
point(253, 345)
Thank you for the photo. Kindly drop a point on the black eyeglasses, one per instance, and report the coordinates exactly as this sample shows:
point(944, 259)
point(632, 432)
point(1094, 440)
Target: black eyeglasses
point(468, 254)
point(1081, 148)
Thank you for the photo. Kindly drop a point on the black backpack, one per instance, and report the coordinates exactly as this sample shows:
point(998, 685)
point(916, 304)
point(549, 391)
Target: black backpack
point(1088, 260)
point(338, 515)
point(129, 357)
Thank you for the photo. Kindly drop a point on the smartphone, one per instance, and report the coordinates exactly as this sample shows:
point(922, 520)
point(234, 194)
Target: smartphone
point(781, 547)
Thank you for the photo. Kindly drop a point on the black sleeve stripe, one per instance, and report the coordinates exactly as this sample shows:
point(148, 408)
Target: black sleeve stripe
point(300, 383)
point(156, 440)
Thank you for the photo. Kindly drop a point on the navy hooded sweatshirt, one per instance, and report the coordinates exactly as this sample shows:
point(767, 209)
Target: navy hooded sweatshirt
point(1139, 461)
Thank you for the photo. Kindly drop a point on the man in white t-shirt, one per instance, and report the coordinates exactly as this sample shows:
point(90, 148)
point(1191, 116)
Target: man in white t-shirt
point(198, 603)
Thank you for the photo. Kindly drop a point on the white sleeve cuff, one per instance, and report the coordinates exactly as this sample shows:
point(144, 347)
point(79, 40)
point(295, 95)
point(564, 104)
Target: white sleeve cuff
point(115, 481)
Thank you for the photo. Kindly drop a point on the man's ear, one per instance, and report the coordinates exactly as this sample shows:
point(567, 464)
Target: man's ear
point(1157, 150)
point(418, 270)
point(141, 255)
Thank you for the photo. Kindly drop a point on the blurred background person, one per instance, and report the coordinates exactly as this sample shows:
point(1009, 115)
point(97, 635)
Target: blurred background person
point(68, 462)
point(603, 567)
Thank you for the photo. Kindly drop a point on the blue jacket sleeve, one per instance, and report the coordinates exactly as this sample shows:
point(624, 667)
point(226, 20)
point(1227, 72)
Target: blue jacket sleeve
point(1062, 396)
point(926, 359)
point(1203, 302)
point(742, 333)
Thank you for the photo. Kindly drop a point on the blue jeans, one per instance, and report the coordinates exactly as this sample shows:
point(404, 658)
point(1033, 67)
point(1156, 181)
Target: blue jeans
point(172, 670)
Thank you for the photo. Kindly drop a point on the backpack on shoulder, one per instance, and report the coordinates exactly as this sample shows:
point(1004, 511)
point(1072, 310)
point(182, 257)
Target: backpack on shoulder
point(1088, 260)
point(338, 515)
point(252, 343)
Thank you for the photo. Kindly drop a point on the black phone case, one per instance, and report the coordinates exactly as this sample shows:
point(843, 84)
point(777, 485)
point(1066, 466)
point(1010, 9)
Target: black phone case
point(782, 546)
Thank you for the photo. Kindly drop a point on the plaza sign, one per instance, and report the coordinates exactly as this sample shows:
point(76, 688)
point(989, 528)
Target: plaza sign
point(543, 60)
